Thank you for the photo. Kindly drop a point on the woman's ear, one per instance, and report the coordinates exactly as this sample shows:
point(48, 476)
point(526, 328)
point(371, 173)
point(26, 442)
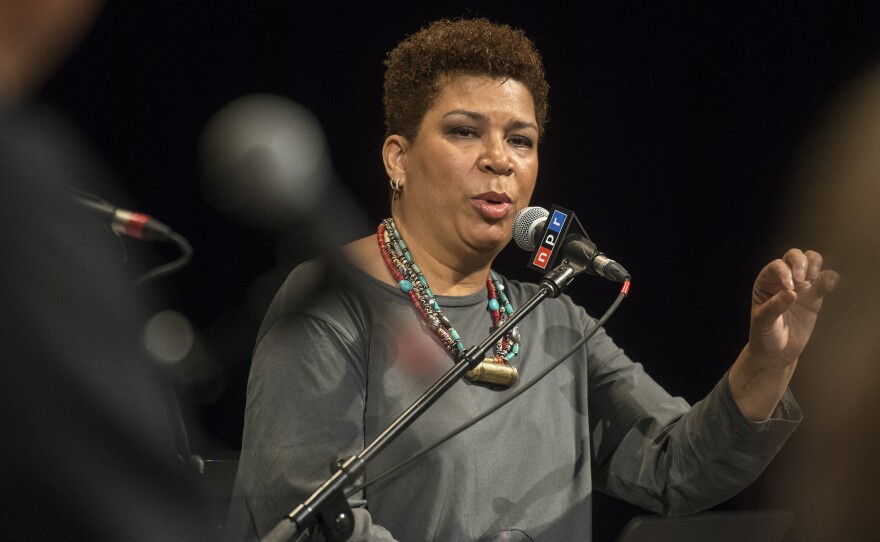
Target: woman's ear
point(393, 152)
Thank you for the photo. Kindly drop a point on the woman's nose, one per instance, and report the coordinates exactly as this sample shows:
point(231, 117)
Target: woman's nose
point(496, 157)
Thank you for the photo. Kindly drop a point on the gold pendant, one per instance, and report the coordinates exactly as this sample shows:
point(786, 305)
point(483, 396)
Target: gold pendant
point(491, 371)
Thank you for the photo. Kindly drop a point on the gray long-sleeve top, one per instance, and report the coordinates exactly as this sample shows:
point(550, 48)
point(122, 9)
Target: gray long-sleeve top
point(333, 367)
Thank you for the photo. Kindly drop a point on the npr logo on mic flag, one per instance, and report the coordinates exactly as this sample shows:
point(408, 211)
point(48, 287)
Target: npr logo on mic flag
point(555, 230)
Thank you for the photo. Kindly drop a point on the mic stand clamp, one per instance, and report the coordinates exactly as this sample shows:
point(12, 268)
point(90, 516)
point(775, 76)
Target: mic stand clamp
point(558, 279)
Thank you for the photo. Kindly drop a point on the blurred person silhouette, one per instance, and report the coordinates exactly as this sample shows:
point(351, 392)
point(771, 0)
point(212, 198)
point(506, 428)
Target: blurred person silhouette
point(829, 473)
point(465, 105)
point(88, 452)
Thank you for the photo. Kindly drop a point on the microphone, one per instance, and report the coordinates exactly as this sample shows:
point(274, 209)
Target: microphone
point(265, 159)
point(137, 225)
point(528, 225)
point(533, 231)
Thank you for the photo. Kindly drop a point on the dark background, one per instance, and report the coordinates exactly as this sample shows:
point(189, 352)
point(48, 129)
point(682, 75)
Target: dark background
point(674, 133)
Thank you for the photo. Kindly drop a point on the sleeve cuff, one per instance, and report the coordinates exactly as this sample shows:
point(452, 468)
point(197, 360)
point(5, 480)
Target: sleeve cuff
point(785, 417)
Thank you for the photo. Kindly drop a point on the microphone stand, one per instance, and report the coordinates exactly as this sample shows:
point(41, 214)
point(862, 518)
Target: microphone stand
point(328, 505)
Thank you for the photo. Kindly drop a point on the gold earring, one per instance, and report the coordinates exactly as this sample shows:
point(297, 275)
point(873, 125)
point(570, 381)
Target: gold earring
point(396, 187)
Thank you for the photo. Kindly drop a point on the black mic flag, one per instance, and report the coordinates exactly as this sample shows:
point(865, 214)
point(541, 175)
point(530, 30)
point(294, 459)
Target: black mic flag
point(559, 232)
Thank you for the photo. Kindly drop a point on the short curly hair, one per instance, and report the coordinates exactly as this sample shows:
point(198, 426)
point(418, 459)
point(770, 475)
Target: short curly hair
point(457, 47)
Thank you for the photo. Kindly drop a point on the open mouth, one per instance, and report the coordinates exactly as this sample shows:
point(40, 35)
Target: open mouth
point(494, 197)
point(493, 205)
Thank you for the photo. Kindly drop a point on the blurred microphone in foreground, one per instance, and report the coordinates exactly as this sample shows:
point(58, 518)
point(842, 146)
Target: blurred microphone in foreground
point(265, 159)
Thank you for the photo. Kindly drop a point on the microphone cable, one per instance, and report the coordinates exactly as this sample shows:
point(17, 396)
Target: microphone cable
point(186, 252)
point(141, 227)
point(588, 333)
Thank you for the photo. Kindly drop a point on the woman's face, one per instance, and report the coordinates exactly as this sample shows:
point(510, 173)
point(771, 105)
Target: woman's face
point(471, 167)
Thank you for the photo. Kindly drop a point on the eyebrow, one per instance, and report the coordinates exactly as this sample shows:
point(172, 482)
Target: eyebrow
point(516, 124)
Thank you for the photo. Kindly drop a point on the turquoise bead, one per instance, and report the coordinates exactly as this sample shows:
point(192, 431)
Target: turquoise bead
point(493, 305)
point(515, 349)
point(454, 335)
point(508, 309)
point(405, 285)
point(510, 356)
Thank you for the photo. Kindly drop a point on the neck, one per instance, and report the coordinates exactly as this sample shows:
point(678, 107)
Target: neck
point(447, 272)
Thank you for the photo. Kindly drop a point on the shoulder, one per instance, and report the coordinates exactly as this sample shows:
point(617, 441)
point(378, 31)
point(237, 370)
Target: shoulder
point(318, 289)
point(333, 290)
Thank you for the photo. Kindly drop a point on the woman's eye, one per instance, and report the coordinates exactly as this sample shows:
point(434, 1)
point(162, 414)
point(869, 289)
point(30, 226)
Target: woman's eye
point(521, 141)
point(465, 131)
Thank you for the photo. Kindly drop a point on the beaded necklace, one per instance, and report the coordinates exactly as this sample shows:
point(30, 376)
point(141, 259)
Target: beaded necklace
point(409, 278)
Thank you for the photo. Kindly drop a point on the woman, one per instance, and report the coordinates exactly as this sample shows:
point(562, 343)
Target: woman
point(465, 105)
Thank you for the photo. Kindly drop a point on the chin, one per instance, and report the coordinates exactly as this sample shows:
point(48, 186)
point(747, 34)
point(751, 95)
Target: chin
point(490, 243)
point(487, 237)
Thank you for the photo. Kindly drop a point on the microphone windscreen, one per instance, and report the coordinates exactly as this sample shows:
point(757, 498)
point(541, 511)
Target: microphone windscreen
point(525, 223)
point(265, 158)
